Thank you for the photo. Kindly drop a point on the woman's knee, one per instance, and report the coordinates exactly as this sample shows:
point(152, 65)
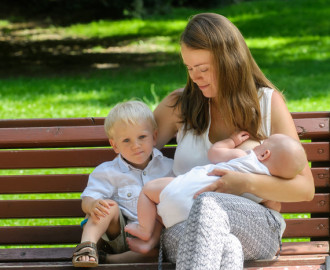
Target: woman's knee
point(210, 200)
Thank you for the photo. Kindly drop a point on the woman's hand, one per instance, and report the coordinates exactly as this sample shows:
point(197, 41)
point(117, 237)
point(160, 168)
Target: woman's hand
point(230, 182)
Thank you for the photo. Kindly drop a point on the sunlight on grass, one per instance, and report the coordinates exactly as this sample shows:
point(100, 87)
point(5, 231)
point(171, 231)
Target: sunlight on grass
point(38, 246)
point(140, 45)
point(4, 23)
point(49, 196)
point(93, 95)
point(104, 28)
point(321, 103)
point(41, 222)
point(46, 171)
point(292, 48)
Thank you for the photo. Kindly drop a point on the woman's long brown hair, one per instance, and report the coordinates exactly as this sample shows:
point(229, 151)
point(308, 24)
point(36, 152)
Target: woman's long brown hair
point(239, 77)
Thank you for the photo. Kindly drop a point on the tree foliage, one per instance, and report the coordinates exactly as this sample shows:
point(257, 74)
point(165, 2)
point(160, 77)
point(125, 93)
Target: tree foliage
point(62, 11)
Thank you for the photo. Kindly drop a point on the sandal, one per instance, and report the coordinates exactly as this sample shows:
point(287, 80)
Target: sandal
point(87, 248)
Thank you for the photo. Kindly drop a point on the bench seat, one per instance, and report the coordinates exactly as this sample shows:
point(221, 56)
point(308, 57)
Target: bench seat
point(36, 146)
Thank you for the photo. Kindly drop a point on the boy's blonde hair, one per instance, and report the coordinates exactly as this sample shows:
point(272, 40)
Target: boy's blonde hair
point(130, 112)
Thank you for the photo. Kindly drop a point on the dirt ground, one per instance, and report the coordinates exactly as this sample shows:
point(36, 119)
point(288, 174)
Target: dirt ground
point(29, 48)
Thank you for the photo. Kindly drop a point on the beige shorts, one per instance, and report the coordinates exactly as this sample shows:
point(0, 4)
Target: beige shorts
point(117, 245)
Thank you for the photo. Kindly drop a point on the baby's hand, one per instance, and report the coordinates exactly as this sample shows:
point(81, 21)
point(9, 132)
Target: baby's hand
point(240, 137)
point(100, 209)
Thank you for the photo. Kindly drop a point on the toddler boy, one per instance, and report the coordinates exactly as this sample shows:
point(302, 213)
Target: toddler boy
point(110, 198)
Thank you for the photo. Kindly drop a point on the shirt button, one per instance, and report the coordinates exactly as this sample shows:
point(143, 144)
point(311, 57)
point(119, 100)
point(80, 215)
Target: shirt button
point(129, 195)
point(144, 172)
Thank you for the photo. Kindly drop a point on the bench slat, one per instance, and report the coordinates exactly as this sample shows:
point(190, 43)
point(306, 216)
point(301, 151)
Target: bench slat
point(312, 128)
point(316, 227)
point(17, 235)
point(12, 159)
point(64, 254)
point(58, 183)
point(82, 121)
point(319, 204)
point(305, 261)
point(317, 151)
point(321, 177)
point(61, 183)
point(313, 227)
point(72, 207)
point(54, 158)
point(30, 159)
point(41, 208)
point(315, 263)
point(51, 122)
point(69, 266)
point(85, 132)
point(35, 254)
point(53, 137)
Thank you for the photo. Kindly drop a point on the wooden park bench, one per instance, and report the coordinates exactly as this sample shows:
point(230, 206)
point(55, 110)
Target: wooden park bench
point(81, 142)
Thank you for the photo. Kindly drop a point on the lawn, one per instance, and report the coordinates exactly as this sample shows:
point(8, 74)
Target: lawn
point(289, 39)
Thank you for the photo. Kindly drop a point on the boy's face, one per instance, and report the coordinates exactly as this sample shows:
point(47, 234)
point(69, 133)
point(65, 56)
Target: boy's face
point(134, 142)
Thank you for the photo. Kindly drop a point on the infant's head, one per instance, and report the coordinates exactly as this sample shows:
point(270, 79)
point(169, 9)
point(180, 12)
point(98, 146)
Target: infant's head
point(284, 156)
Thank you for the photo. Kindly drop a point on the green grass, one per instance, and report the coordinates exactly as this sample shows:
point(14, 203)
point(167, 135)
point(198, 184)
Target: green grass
point(82, 95)
point(289, 39)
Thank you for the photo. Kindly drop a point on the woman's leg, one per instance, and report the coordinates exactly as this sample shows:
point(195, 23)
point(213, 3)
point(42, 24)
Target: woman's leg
point(206, 244)
point(224, 217)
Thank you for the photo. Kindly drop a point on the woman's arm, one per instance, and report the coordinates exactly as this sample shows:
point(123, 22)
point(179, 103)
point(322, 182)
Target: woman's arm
point(167, 119)
point(300, 188)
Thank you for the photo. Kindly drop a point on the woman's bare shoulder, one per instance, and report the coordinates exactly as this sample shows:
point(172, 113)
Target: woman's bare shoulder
point(168, 118)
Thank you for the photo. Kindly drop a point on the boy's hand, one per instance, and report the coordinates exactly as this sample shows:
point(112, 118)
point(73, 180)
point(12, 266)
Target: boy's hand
point(99, 209)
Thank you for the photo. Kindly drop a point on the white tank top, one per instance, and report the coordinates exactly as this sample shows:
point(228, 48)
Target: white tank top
point(192, 149)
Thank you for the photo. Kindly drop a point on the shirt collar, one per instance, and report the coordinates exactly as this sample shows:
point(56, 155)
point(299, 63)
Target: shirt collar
point(126, 167)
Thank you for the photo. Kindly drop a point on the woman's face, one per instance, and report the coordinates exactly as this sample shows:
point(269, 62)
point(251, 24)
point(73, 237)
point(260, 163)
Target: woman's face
point(201, 69)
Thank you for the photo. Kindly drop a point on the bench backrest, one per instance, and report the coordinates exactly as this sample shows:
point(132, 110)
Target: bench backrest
point(81, 143)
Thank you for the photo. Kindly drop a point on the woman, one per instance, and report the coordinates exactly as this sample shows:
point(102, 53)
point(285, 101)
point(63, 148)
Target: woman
point(226, 91)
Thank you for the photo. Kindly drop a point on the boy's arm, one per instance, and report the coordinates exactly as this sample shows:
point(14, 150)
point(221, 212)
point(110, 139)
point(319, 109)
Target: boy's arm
point(225, 150)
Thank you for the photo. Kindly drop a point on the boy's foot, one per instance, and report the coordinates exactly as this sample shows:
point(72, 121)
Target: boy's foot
point(85, 255)
point(136, 230)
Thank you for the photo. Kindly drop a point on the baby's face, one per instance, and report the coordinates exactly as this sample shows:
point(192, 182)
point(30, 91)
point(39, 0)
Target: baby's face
point(134, 142)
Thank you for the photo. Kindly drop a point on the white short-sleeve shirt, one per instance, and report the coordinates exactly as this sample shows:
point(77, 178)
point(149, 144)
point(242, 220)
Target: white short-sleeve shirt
point(119, 181)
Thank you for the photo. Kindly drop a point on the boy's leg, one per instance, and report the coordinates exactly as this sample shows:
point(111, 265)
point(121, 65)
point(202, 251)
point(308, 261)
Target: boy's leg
point(141, 251)
point(146, 209)
point(92, 231)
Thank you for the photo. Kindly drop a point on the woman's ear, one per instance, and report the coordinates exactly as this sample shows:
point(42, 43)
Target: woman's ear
point(264, 155)
point(114, 146)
